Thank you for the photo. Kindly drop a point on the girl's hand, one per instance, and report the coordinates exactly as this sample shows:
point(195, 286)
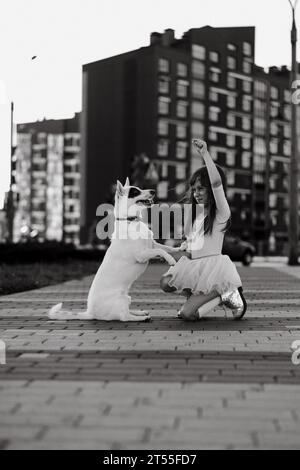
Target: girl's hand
point(200, 145)
point(183, 246)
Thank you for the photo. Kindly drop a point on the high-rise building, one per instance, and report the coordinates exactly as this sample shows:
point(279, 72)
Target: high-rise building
point(271, 158)
point(46, 172)
point(155, 100)
point(3, 226)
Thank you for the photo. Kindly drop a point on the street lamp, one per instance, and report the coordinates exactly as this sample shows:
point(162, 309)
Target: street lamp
point(10, 206)
point(294, 201)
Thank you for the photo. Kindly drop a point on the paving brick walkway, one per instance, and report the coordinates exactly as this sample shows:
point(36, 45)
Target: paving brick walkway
point(214, 384)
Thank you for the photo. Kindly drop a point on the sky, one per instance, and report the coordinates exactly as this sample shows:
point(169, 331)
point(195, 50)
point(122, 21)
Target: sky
point(65, 34)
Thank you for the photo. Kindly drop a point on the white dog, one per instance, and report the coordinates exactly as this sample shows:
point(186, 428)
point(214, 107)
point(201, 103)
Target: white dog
point(126, 259)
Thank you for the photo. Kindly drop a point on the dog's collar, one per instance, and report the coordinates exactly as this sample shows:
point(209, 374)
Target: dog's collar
point(130, 219)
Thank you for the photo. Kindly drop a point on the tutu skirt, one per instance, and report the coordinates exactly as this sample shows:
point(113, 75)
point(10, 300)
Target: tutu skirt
point(204, 275)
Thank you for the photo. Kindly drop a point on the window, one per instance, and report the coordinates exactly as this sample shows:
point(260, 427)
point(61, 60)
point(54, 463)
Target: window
point(197, 130)
point(214, 57)
point(198, 89)
point(213, 136)
point(247, 49)
point(181, 150)
point(198, 52)
point(164, 65)
point(274, 219)
point(246, 143)
point(286, 184)
point(181, 109)
point(198, 110)
point(273, 201)
point(213, 96)
point(231, 102)
point(243, 215)
point(163, 148)
point(260, 146)
point(260, 107)
point(163, 85)
point(287, 96)
point(260, 89)
point(247, 86)
point(274, 128)
point(231, 63)
point(246, 159)
point(260, 126)
point(230, 159)
point(287, 148)
point(231, 47)
point(274, 93)
point(214, 114)
point(231, 120)
point(247, 67)
point(246, 124)
point(230, 139)
point(213, 153)
point(163, 127)
point(180, 172)
point(274, 111)
point(214, 76)
point(198, 69)
point(164, 170)
point(182, 88)
point(287, 131)
point(273, 145)
point(162, 190)
point(182, 70)
point(181, 131)
point(246, 103)
point(287, 112)
point(231, 82)
point(163, 105)
point(259, 163)
point(230, 178)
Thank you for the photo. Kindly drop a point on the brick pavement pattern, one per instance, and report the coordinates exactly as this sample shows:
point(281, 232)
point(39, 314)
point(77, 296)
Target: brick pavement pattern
point(212, 384)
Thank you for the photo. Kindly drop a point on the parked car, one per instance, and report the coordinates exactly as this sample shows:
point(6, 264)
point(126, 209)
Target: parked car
point(238, 250)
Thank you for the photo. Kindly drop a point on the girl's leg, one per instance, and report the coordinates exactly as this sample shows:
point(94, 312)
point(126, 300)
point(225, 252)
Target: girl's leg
point(189, 311)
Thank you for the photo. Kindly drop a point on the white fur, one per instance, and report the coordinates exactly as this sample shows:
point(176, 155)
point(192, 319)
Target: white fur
point(126, 259)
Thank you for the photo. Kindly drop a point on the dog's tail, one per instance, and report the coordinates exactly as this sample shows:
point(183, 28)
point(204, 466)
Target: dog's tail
point(56, 313)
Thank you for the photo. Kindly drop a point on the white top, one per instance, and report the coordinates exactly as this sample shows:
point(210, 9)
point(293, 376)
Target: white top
point(200, 245)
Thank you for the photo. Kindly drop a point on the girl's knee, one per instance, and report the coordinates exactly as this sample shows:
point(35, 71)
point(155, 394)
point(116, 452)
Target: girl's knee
point(188, 315)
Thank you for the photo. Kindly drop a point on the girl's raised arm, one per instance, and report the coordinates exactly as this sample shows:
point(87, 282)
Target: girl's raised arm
point(223, 209)
point(214, 176)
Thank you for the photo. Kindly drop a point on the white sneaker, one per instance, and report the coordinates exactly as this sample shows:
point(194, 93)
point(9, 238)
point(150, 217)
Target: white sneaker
point(236, 302)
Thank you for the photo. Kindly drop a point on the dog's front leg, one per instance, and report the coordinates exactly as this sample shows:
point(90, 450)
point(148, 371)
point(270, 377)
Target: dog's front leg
point(145, 256)
point(167, 249)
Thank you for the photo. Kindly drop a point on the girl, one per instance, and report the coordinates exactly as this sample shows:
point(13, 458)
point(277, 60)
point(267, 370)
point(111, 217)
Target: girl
point(208, 278)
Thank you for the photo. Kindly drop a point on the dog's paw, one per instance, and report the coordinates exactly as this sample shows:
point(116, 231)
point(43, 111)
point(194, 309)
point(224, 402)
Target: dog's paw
point(171, 262)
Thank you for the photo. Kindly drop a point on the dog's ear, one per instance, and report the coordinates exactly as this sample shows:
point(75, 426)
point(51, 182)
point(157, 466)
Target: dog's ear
point(120, 189)
point(127, 183)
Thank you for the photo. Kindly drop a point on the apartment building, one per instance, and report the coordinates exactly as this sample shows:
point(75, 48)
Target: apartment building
point(46, 169)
